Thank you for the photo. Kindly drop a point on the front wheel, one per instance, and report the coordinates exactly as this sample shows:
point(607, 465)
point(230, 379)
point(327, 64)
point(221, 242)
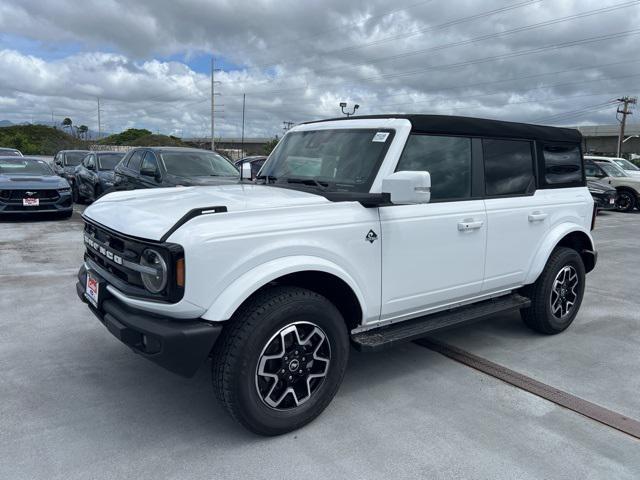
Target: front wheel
point(75, 193)
point(557, 294)
point(625, 201)
point(281, 360)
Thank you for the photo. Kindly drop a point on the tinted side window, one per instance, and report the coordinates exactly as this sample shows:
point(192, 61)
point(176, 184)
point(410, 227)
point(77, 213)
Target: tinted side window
point(592, 170)
point(447, 159)
point(135, 160)
point(508, 167)
point(562, 164)
point(90, 161)
point(150, 162)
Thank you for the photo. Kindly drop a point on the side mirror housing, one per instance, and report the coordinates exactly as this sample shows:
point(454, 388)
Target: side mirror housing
point(408, 188)
point(151, 172)
point(246, 171)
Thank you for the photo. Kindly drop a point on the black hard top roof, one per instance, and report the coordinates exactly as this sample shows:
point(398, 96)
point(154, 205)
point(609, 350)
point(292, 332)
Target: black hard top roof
point(482, 127)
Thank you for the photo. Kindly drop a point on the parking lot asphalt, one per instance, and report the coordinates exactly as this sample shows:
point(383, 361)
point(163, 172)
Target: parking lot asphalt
point(75, 403)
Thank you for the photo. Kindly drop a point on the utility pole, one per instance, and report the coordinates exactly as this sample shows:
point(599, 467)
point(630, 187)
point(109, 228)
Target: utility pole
point(286, 125)
point(626, 101)
point(243, 103)
point(343, 105)
point(213, 96)
point(99, 123)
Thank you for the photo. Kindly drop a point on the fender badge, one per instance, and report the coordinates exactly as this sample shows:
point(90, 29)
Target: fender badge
point(371, 236)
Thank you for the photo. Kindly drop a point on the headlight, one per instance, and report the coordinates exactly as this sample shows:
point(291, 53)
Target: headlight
point(155, 283)
point(64, 190)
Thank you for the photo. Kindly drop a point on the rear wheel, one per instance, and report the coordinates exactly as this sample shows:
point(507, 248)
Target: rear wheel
point(557, 294)
point(625, 201)
point(281, 360)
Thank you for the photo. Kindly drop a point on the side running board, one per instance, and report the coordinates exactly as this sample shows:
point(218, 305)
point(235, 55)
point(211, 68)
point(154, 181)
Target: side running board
point(388, 336)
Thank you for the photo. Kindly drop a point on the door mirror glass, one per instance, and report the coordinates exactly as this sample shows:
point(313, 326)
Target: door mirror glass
point(407, 188)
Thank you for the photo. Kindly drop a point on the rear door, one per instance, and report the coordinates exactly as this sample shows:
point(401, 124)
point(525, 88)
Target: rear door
point(433, 254)
point(517, 216)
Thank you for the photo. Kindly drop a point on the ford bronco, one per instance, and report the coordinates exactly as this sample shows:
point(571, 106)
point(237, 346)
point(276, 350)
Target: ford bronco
point(366, 231)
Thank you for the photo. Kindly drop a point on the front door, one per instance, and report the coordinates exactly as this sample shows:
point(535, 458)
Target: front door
point(433, 254)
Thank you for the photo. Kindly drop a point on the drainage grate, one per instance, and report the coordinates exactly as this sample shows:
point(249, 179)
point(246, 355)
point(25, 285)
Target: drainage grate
point(564, 399)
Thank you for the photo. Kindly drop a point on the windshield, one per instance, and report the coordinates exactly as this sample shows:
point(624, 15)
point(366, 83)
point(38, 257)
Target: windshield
point(108, 161)
point(340, 159)
point(612, 170)
point(626, 164)
point(197, 164)
point(10, 153)
point(73, 159)
point(24, 167)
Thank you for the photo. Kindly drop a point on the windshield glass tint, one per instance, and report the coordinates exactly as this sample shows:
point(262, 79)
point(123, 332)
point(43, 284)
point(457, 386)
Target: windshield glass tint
point(74, 158)
point(626, 165)
point(108, 161)
point(611, 170)
point(197, 164)
point(10, 153)
point(349, 159)
point(24, 167)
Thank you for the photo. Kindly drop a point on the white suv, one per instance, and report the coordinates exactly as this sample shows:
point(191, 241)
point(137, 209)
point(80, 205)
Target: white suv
point(369, 230)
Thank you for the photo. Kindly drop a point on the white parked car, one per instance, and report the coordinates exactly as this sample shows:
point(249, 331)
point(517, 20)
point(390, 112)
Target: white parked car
point(369, 231)
point(628, 167)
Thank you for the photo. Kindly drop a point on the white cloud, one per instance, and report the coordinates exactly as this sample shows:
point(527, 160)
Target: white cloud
point(302, 58)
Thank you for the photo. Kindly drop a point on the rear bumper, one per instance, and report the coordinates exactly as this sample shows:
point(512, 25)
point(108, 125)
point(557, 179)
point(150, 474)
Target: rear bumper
point(180, 346)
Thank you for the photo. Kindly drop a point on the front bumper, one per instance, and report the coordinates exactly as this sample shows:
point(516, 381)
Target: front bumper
point(180, 346)
point(61, 204)
point(603, 201)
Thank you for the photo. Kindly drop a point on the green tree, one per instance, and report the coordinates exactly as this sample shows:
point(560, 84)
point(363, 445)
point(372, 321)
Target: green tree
point(82, 131)
point(67, 124)
point(271, 144)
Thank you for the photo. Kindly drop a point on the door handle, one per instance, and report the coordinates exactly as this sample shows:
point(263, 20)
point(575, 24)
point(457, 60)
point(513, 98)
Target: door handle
point(469, 225)
point(537, 216)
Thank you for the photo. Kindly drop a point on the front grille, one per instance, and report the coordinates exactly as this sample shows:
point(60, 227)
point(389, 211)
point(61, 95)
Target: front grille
point(111, 252)
point(16, 196)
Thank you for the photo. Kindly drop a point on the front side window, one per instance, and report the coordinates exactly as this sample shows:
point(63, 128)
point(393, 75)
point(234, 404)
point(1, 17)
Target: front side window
point(108, 161)
point(135, 160)
point(91, 163)
point(150, 164)
point(611, 170)
point(336, 159)
point(73, 159)
point(592, 170)
point(508, 167)
point(448, 161)
point(562, 164)
point(197, 164)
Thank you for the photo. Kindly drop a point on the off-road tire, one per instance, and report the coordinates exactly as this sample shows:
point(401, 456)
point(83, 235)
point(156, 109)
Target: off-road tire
point(539, 316)
point(237, 352)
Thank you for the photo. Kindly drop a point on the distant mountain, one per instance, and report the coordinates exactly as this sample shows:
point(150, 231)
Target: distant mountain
point(38, 139)
point(91, 134)
point(5, 123)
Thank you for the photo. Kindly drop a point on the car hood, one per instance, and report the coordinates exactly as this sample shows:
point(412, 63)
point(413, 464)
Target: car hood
point(152, 213)
point(31, 182)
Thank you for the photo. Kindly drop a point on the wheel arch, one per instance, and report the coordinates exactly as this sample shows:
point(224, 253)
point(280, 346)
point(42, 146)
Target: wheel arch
point(313, 273)
point(571, 236)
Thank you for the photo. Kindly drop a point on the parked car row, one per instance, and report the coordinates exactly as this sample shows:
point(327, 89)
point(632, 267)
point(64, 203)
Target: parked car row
point(609, 172)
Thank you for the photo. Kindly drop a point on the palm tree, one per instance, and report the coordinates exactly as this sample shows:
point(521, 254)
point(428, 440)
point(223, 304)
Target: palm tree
point(67, 123)
point(82, 131)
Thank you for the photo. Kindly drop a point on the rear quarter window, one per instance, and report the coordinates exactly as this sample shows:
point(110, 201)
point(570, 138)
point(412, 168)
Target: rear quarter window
point(562, 165)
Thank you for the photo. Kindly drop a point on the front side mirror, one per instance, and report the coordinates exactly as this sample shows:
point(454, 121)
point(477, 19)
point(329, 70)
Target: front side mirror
point(408, 188)
point(150, 172)
point(246, 170)
point(91, 167)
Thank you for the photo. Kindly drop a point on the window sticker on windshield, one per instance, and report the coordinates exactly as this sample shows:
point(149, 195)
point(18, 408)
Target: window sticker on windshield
point(380, 137)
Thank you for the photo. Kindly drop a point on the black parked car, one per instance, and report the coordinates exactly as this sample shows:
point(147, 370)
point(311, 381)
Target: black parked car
point(29, 185)
point(250, 166)
point(10, 152)
point(153, 167)
point(95, 175)
point(604, 195)
point(66, 161)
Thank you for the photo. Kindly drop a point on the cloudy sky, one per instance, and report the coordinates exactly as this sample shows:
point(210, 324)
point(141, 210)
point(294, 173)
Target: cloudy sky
point(548, 61)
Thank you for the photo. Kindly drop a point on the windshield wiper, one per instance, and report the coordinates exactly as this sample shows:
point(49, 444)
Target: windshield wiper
point(308, 181)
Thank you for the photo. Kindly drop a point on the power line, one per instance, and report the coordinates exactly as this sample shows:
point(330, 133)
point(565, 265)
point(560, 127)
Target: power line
point(470, 41)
